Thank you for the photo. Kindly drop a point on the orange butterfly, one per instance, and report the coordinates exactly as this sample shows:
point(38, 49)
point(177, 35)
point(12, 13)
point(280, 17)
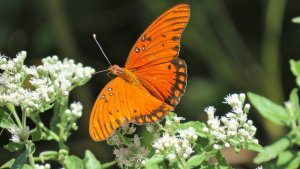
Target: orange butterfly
point(152, 81)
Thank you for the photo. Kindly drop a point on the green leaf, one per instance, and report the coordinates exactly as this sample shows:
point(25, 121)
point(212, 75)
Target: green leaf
point(73, 162)
point(296, 20)
point(5, 119)
point(269, 110)
point(154, 161)
point(284, 158)
point(20, 161)
point(26, 166)
point(36, 134)
point(198, 126)
point(294, 163)
point(90, 161)
point(294, 109)
point(270, 152)
point(295, 68)
point(8, 164)
point(255, 147)
point(12, 146)
point(196, 160)
point(60, 105)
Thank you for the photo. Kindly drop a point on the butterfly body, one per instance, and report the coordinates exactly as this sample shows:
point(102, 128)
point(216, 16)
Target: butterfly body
point(125, 74)
point(152, 81)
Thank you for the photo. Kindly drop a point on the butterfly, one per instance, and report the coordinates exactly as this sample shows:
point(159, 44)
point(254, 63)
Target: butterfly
point(152, 81)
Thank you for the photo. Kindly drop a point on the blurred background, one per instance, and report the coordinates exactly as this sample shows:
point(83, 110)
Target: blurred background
point(230, 46)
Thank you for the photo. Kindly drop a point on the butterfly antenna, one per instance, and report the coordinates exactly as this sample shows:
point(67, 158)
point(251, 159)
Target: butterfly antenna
point(94, 35)
point(101, 71)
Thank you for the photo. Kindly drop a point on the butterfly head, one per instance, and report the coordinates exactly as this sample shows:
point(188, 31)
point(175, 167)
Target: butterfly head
point(116, 70)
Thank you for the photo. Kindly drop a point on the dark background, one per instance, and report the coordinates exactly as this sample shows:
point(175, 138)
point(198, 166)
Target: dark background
point(230, 46)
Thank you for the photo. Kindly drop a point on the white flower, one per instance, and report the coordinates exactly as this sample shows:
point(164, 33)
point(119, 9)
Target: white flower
point(40, 166)
point(178, 119)
point(205, 129)
point(18, 134)
point(15, 139)
point(76, 109)
point(227, 144)
point(171, 156)
point(168, 123)
point(247, 108)
point(189, 134)
point(149, 128)
point(234, 125)
point(216, 146)
point(179, 144)
point(50, 80)
point(210, 111)
point(232, 100)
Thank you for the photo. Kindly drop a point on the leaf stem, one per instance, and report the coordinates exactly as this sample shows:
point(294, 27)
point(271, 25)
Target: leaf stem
point(108, 165)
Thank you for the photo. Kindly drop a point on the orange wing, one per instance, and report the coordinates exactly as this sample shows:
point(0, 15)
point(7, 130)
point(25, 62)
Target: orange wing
point(165, 81)
point(160, 42)
point(154, 60)
point(120, 102)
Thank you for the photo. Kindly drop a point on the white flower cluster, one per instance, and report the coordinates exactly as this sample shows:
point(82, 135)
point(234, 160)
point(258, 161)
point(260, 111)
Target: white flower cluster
point(45, 82)
point(73, 113)
point(19, 134)
point(234, 127)
point(133, 155)
point(75, 110)
point(173, 145)
point(41, 166)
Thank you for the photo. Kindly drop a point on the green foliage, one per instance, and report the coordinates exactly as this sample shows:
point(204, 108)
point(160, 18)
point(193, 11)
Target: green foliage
point(282, 151)
point(269, 110)
point(296, 20)
point(90, 161)
point(295, 67)
point(21, 160)
point(73, 162)
point(5, 119)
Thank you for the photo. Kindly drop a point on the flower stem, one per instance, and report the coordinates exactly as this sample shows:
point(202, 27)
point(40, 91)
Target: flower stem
point(13, 110)
point(181, 161)
point(108, 165)
point(30, 156)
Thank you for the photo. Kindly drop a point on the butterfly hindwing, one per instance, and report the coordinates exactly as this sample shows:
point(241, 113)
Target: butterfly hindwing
point(120, 102)
point(166, 81)
point(161, 41)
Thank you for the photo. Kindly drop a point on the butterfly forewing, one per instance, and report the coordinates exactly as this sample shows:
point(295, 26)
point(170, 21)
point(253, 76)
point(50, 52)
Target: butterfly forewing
point(161, 40)
point(120, 102)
